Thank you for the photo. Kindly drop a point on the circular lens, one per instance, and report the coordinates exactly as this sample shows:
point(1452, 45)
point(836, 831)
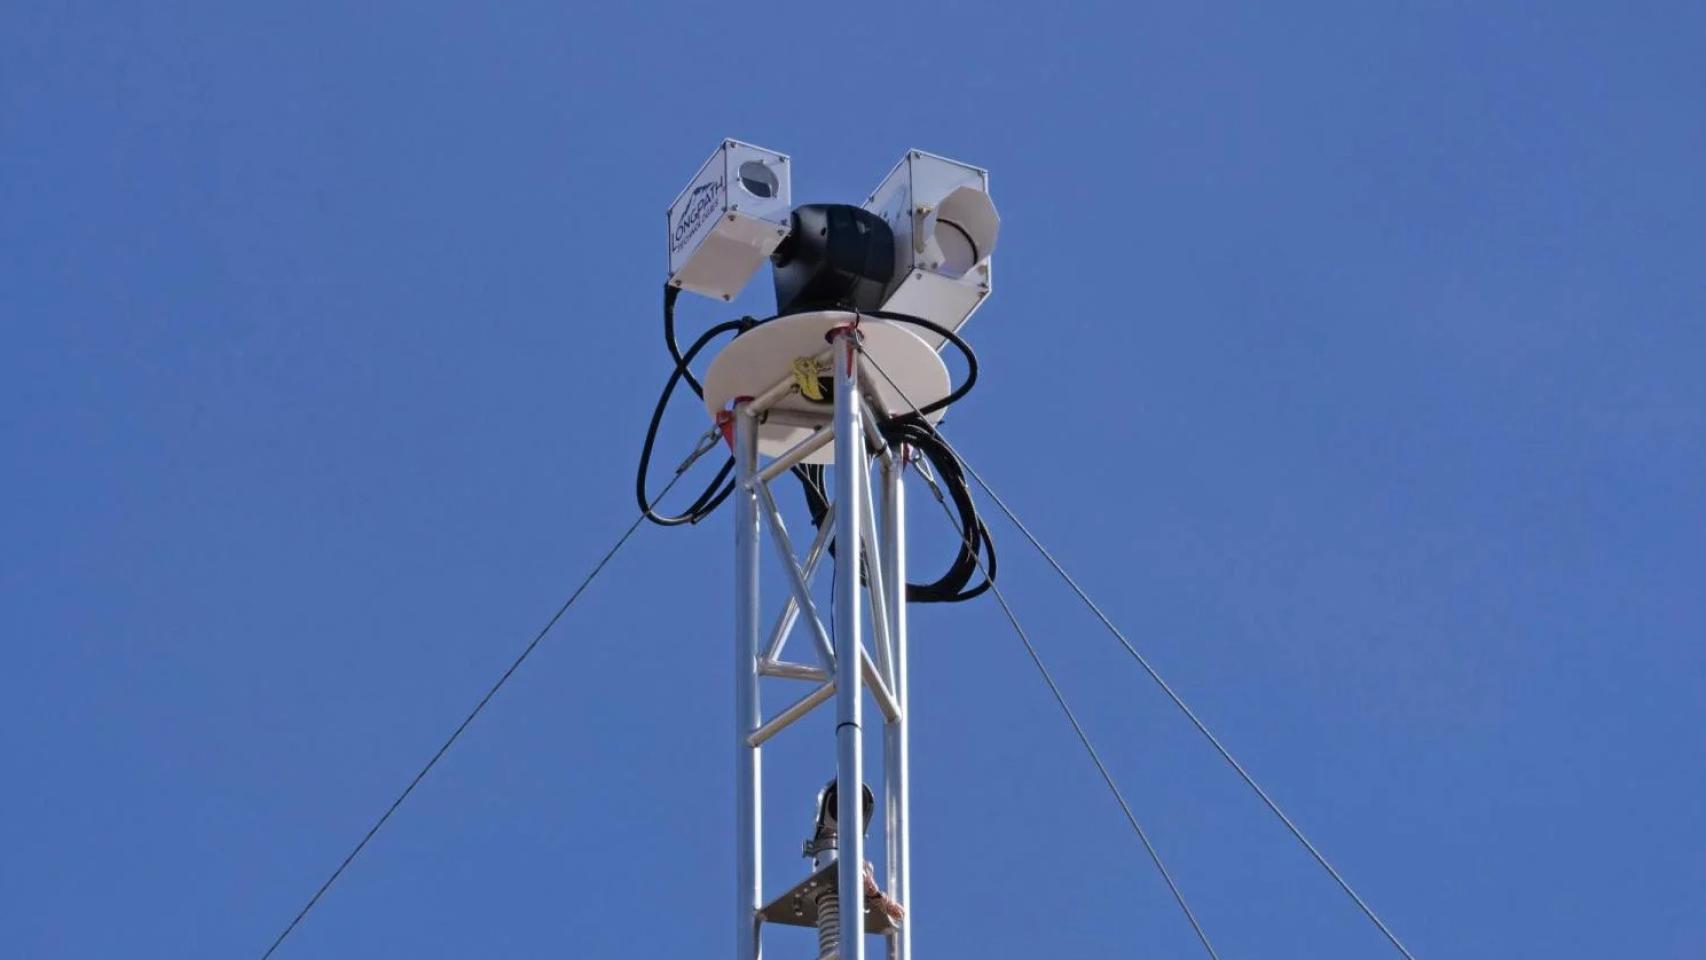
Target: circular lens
point(758, 179)
point(959, 254)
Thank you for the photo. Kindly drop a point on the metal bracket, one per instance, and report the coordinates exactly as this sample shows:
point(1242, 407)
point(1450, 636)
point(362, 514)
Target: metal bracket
point(797, 906)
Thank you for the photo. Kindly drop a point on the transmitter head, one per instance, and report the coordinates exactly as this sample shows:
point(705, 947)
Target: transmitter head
point(728, 219)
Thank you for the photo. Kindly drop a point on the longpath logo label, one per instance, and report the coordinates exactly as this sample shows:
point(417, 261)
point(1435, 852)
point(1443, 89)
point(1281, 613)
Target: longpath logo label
point(703, 202)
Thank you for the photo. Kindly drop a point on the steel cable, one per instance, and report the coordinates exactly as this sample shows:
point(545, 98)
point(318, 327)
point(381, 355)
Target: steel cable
point(1172, 695)
point(1096, 758)
point(1196, 721)
point(705, 444)
point(1060, 698)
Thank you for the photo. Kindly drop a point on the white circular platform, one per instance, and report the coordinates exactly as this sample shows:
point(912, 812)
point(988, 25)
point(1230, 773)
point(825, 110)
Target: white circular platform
point(754, 361)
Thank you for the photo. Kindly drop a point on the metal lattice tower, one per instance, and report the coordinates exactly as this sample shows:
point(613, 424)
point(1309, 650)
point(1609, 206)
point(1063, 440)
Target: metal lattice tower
point(866, 520)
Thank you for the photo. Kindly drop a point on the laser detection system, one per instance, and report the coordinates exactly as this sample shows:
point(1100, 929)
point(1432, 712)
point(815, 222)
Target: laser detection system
point(841, 390)
point(919, 245)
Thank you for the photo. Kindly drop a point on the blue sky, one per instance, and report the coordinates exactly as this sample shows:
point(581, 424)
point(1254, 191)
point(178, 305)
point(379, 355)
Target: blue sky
point(1350, 353)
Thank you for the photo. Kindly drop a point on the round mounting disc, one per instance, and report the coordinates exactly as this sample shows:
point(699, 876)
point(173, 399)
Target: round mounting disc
point(758, 359)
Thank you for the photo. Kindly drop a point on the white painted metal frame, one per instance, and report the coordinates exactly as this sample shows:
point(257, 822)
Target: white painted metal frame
point(844, 667)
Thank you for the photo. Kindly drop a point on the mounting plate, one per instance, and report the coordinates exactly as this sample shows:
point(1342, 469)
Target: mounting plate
point(757, 359)
point(797, 907)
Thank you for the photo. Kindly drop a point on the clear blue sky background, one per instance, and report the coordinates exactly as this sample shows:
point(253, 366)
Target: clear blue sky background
point(1351, 354)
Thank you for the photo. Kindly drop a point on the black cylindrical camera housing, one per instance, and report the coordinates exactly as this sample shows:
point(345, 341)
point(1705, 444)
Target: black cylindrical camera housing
point(836, 256)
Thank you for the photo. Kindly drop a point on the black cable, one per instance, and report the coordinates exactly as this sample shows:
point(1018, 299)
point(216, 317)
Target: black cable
point(809, 476)
point(914, 429)
point(957, 394)
point(910, 429)
point(670, 294)
point(817, 500)
point(455, 734)
point(716, 491)
point(954, 585)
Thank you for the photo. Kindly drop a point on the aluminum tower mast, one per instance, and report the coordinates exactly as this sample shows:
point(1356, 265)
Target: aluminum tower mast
point(844, 667)
point(866, 297)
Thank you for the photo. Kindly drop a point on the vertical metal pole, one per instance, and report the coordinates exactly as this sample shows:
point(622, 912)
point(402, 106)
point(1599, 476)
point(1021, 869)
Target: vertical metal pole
point(748, 769)
point(897, 789)
point(850, 473)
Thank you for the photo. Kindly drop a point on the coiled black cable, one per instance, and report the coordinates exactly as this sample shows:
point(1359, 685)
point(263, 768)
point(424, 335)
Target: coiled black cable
point(717, 490)
point(954, 396)
point(721, 486)
point(912, 429)
point(909, 429)
point(955, 585)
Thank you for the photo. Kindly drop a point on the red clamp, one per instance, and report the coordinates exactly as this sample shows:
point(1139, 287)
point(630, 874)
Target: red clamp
point(726, 422)
point(851, 328)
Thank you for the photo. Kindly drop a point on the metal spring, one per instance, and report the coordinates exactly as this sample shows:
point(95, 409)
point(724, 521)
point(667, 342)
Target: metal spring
point(828, 924)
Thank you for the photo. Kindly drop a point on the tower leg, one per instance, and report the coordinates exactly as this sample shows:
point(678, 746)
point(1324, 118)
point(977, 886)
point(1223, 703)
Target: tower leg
point(897, 790)
point(748, 768)
point(850, 472)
